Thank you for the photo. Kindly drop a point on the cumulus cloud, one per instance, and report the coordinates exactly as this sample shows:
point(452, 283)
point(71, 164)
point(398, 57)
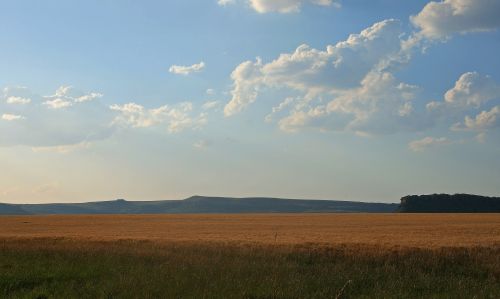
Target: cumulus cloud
point(381, 105)
point(186, 70)
point(439, 20)
point(312, 71)
point(177, 118)
point(471, 92)
point(482, 122)
point(473, 89)
point(427, 142)
point(347, 86)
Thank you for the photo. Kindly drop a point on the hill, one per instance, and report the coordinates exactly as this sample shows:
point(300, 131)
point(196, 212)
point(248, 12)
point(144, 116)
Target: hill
point(8, 209)
point(445, 203)
point(201, 204)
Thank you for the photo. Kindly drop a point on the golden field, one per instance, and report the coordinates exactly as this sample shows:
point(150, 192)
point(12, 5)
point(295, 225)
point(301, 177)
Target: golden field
point(392, 230)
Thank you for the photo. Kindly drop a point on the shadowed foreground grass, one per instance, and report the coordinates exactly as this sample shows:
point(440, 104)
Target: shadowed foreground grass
point(60, 268)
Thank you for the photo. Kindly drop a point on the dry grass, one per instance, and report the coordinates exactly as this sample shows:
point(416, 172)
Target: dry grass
point(386, 230)
point(66, 268)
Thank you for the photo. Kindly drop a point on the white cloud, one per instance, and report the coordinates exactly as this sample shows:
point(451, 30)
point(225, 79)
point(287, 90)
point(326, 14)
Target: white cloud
point(484, 121)
point(11, 117)
point(281, 106)
point(43, 125)
point(186, 70)
point(88, 97)
point(66, 96)
point(46, 127)
point(210, 105)
point(439, 20)
point(177, 118)
point(348, 86)
point(473, 89)
point(427, 142)
point(58, 104)
point(18, 100)
point(470, 92)
point(284, 6)
point(381, 105)
point(280, 6)
point(225, 2)
point(312, 72)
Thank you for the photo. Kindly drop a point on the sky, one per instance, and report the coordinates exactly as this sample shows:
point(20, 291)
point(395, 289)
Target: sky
point(315, 99)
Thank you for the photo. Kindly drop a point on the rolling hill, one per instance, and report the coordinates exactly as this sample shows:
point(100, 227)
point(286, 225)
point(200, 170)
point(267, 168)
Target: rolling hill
point(200, 204)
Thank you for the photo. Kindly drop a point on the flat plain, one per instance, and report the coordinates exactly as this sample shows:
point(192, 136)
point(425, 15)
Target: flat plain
point(405, 230)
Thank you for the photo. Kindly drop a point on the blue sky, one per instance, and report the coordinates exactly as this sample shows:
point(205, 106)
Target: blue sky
point(149, 100)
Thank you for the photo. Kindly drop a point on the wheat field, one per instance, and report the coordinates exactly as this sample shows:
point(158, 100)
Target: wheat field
point(251, 256)
point(393, 230)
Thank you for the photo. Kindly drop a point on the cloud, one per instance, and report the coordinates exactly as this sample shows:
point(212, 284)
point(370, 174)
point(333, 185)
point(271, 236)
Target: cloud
point(186, 70)
point(280, 6)
point(473, 89)
point(66, 96)
point(47, 127)
point(277, 109)
point(202, 144)
point(381, 105)
point(45, 124)
point(284, 6)
point(11, 117)
point(347, 86)
point(427, 142)
point(471, 92)
point(482, 122)
point(312, 72)
point(58, 104)
point(62, 149)
point(210, 105)
point(440, 20)
point(18, 100)
point(177, 118)
point(225, 2)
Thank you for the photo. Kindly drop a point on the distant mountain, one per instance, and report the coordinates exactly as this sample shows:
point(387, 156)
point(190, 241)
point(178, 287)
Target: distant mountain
point(445, 203)
point(201, 204)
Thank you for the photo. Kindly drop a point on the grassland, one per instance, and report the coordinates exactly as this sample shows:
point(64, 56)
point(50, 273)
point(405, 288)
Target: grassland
point(251, 256)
